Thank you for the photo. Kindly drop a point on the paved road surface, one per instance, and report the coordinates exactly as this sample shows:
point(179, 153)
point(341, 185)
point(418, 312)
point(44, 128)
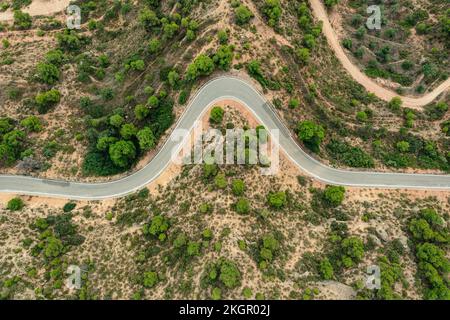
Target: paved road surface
point(218, 89)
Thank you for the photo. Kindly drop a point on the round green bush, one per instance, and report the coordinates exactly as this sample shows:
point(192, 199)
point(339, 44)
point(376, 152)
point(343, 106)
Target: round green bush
point(15, 204)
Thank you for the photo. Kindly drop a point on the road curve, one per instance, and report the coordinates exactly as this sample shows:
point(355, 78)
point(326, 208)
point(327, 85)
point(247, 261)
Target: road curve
point(368, 83)
point(225, 87)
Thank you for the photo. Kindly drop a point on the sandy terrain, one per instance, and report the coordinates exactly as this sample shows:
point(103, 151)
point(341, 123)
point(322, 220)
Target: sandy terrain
point(38, 8)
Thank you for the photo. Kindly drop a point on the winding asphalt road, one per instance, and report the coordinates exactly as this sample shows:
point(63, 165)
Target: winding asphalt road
point(226, 87)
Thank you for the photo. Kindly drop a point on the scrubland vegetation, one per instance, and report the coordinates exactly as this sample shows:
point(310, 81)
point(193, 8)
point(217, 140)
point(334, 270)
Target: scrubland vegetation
point(410, 49)
point(101, 106)
point(90, 103)
point(226, 232)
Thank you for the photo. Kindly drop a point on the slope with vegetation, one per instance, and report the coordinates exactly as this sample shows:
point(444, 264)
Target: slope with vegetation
point(105, 96)
point(226, 232)
point(411, 48)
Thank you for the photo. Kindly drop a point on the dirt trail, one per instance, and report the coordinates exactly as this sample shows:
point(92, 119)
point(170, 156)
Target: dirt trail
point(39, 8)
point(368, 83)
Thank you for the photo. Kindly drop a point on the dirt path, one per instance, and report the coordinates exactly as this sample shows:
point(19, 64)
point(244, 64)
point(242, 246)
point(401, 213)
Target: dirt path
point(368, 83)
point(39, 8)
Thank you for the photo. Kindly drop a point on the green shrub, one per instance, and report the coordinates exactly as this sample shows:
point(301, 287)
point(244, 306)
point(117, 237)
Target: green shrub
point(437, 111)
point(361, 116)
point(331, 3)
point(210, 170)
point(222, 35)
point(128, 131)
point(22, 20)
point(141, 111)
point(53, 247)
point(254, 70)
point(247, 293)
point(349, 155)
point(138, 65)
point(216, 115)
point(69, 206)
point(99, 164)
point(243, 15)
point(205, 208)
point(311, 134)
point(148, 19)
point(303, 55)
point(334, 195)
point(268, 248)
point(183, 97)
point(347, 43)
point(173, 78)
point(207, 234)
point(150, 279)
point(294, 103)
point(352, 251)
point(220, 181)
point(69, 40)
point(428, 227)
point(47, 73)
point(7, 155)
point(402, 146)
point(116, 120)
point(445, 127)
point(224, 57)
point(326, 269)
point(238, 187)
point(15, 204)
point(272, 10)
point(47, 99)
point(430, 237)
point(19, 4)
point(277, 200)
point(242, 206)
point(229, 274)
point(395, 104)
point(122, 153)
point(193, 248)
point(32, 123)
point(202, 66)
point(153, 101)
point(6, 125)
point(157, 228)
point(146, 139)
point(216, 294)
